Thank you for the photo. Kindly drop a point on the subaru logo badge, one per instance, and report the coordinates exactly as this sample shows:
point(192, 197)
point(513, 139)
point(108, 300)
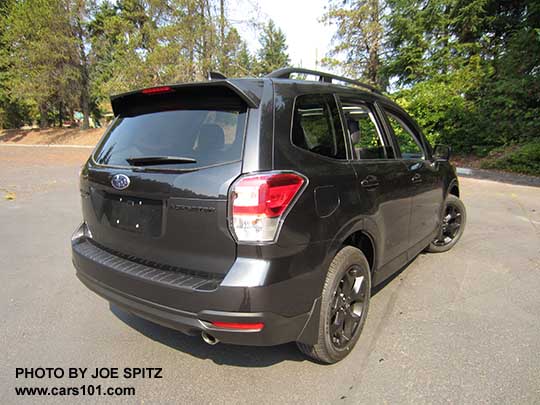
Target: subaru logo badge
point(120, 181)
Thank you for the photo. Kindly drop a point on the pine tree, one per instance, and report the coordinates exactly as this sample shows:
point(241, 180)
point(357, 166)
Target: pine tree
point(42, 55)
point(245, 60)
point(273, 52)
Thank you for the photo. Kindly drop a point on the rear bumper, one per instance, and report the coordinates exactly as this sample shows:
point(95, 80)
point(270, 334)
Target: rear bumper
point(177, 305)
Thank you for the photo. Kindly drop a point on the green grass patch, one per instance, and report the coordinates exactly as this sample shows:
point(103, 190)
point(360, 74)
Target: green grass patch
point(524, 158)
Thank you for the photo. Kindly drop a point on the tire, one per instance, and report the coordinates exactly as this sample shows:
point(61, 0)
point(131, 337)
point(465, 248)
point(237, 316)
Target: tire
point(447, 239)
point(349, 271)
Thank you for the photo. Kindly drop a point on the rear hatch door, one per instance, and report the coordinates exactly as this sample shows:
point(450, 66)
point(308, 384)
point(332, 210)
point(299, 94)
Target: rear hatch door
point(155, 189)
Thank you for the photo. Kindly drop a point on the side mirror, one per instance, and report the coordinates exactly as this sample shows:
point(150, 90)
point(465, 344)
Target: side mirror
point(441, 152)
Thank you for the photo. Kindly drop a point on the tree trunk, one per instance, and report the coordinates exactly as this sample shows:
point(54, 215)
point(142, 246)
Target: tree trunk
point(206, 40)
point(60, 115)
point(374, 64)
point(191, 41)
point(222, 35)
point(85, 81)
point(43, 116)
point(85, 104)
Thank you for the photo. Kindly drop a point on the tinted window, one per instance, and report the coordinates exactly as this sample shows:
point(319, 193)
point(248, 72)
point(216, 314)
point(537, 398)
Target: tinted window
point(209, 136)
point(408, 144)
point(364, 132)
point(317, 126)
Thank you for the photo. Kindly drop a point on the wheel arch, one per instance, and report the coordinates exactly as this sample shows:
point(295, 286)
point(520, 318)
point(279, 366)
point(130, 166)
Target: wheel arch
point(453, 188)
point(362, 234)
point(363, 241)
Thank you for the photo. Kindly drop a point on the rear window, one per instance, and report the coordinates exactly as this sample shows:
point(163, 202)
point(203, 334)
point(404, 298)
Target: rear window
point(210, 136)
point(317, 127)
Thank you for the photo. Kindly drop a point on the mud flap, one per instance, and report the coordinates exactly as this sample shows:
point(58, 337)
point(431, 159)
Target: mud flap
point(310, 332)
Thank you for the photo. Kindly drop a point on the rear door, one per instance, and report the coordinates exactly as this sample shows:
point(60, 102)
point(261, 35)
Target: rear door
point(425, 178)
point(156, 186)
point(310, 140)
point(381, 180)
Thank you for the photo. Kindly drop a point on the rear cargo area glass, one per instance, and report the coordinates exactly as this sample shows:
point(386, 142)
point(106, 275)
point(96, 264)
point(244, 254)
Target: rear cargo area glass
point(207, 134)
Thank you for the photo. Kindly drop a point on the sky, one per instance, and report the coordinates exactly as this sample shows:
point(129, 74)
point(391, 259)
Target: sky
point(307, 38)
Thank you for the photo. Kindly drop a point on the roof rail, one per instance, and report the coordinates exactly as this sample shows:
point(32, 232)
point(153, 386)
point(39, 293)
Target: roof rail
point(285, 73)
point(216, 76)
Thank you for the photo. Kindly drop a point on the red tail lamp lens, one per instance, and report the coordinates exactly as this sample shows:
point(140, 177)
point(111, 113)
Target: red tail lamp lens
point(259, 201)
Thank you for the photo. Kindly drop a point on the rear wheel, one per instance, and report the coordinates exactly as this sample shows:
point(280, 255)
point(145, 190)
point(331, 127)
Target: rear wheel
point(344, 306)
point(452, 225)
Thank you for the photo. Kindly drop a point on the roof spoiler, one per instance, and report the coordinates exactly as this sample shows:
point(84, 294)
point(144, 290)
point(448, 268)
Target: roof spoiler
point(120, 101)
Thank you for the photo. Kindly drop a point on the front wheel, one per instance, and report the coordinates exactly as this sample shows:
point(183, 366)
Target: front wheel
point(452, 225)
point(344, 306)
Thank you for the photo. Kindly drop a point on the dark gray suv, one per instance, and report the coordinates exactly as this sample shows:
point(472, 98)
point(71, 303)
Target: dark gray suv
point(261, 211)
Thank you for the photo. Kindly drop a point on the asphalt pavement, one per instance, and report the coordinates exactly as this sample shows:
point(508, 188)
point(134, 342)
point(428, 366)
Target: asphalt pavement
point(457, 327)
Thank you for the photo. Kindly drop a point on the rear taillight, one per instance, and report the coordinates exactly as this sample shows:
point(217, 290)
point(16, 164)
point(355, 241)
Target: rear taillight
point(259, 203)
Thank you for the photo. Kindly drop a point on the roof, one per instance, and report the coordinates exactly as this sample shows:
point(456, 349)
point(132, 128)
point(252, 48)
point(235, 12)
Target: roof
point(248, 89)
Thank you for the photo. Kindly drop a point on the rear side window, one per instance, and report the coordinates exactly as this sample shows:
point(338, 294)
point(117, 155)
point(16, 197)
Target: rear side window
point(207, 135)
point(408, 143)
point(317, 126)
point(364, 132)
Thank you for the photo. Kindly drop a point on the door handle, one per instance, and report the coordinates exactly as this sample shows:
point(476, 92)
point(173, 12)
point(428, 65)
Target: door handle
point(370, 182)
point(417, 178)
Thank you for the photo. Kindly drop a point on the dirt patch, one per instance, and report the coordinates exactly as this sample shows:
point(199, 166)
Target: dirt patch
point(469, 161)
point(11, 157)
point(52, 136)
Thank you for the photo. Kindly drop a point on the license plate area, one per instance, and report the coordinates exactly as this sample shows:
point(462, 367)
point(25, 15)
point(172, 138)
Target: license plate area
point(134, 214)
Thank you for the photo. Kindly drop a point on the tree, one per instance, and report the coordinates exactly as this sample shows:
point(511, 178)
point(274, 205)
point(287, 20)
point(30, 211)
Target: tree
point(236, 59)
point(41, 55)
point(245, 60)
point(78, 12)
point(13, 113)
point(470, 69)
point(58, 56)
point(358, 39)
point(273, 52)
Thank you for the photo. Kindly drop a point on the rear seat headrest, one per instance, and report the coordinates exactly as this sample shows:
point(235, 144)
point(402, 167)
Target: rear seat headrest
point(211, 138)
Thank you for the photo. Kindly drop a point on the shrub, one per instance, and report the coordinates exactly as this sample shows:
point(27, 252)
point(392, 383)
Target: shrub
point(523, 158)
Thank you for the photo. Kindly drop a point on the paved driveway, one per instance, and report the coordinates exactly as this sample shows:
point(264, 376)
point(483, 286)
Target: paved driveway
point(460, 327)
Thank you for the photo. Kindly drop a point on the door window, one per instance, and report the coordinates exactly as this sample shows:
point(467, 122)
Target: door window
point(364, 132)
point(317, 127)
point(408, 143)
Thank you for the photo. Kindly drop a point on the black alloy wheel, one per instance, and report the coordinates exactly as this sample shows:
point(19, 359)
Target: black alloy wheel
point(347, 307)
point(344, 307)
point(452, 225)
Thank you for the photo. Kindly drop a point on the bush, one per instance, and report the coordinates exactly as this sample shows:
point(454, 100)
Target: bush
point(523, 158)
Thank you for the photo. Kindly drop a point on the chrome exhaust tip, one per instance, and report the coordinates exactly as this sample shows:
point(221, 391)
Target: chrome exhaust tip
point(211, 340)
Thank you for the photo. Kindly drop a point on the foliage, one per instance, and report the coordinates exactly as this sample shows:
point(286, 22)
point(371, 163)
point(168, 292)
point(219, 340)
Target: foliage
point(138, 43)
point(36, 72)
point(58, 56)
point(520, 159)
point(358, 38)
point(273, 52)
point(467, 70)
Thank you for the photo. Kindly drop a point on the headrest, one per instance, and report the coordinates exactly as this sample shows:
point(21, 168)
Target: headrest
point(354, 130)
point(211, 137)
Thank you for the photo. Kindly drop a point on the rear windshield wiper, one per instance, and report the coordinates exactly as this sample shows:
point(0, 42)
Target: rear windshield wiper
point(159, 160)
